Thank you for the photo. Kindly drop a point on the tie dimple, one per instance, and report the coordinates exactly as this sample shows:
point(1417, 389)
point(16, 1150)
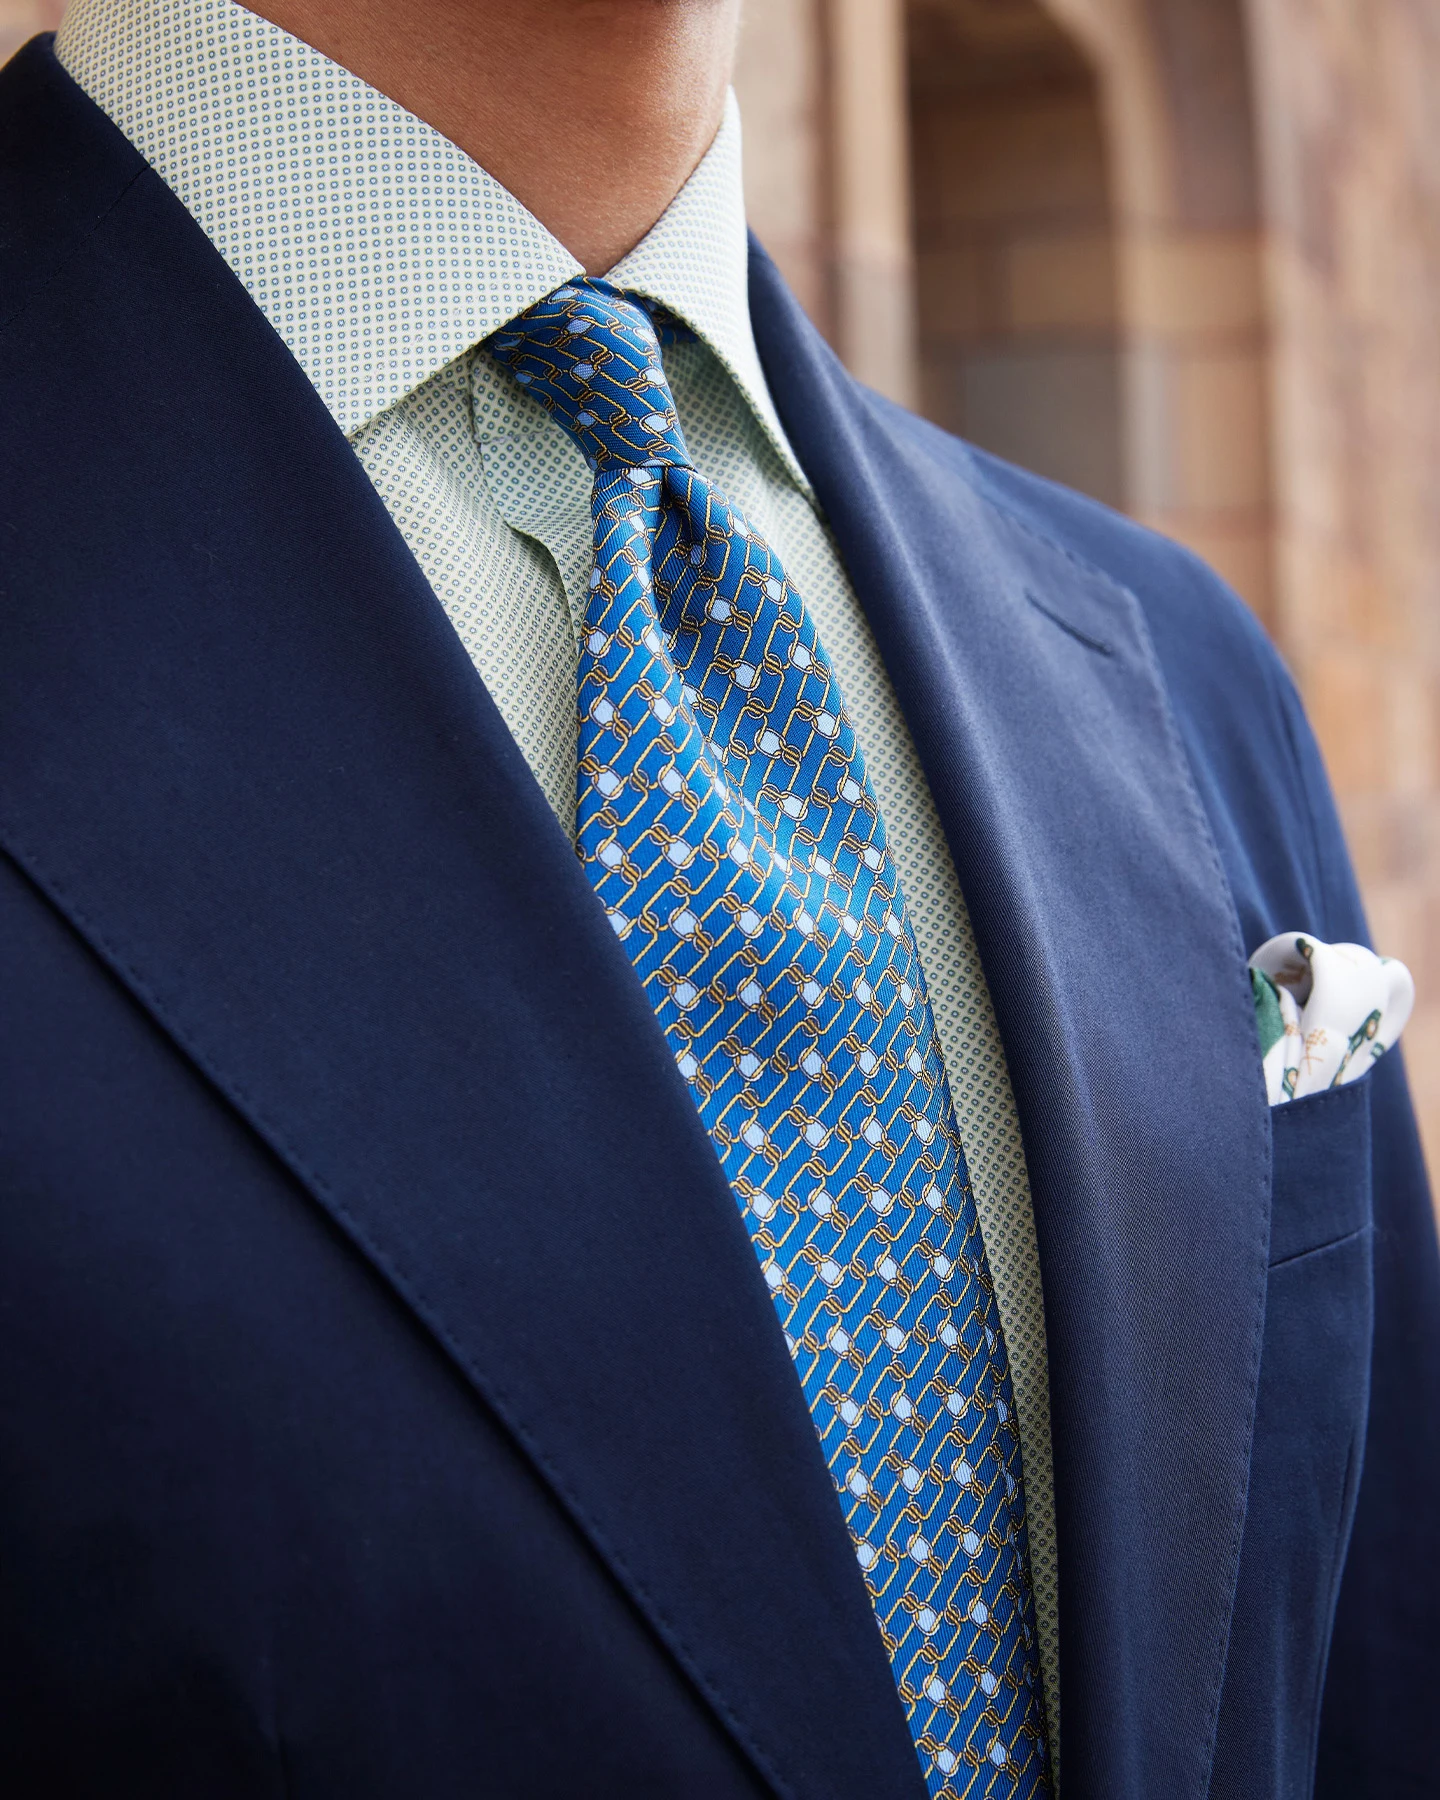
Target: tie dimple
point(593, 359)
point(726, 820)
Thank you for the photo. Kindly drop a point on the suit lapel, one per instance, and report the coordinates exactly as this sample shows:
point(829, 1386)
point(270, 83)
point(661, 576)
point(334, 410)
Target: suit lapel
point(1102, 914)
point(246, 755)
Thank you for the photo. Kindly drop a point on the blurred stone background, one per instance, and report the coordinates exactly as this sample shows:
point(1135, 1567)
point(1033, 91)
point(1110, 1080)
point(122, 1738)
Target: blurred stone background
point(1185, 255)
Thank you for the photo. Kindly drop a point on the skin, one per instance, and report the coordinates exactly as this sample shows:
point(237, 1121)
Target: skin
point(593, 113)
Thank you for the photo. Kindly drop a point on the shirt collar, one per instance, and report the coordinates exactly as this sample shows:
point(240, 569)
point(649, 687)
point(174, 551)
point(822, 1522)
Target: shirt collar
point(695, 261)
point(377, 249)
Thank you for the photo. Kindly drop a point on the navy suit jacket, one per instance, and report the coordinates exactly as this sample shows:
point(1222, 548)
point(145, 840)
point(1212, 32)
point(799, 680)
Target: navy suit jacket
point(390, 1404)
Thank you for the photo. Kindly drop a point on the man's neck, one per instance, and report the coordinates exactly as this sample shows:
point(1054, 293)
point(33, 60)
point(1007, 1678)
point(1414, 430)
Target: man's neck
point(593, 113)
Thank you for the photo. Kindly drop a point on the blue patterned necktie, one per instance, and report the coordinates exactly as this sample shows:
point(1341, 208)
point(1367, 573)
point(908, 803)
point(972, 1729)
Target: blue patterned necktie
point(726, 820)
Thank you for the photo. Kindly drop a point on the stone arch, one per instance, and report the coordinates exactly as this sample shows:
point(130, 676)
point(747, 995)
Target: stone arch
point(1179, 108)
point(1015, 264)
point(1089, 286)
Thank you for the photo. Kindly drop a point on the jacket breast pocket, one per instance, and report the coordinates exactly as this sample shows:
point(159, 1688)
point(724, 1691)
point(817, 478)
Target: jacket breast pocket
point(1320, 1186)
point(1309, 1436)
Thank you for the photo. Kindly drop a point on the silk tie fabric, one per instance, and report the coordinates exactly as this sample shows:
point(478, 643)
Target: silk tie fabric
point(725, 818)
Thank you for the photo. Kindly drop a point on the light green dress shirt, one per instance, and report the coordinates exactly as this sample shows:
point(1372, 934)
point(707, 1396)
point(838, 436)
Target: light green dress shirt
point(382, 255)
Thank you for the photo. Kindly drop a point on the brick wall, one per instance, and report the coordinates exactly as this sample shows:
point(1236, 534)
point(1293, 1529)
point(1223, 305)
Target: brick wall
point(1351, 160)
point(1017, 306)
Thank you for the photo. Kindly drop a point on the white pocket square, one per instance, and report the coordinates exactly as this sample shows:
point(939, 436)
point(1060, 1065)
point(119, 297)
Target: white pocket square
point(1325, 1011)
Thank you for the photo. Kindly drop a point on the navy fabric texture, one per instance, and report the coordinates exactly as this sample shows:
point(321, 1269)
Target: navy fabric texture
point(349, 1444)
point(259, 1538)
point(1309, 1439)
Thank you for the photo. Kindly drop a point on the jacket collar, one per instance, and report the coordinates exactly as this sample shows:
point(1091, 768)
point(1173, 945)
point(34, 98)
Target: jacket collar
point(1097, 896)
point(247, 757)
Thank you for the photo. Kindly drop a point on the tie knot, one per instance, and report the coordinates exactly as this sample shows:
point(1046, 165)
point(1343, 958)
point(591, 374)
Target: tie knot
point(591, 356)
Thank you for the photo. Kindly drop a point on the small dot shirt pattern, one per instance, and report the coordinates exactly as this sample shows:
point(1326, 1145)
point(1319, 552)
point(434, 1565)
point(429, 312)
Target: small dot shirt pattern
point(382, 255)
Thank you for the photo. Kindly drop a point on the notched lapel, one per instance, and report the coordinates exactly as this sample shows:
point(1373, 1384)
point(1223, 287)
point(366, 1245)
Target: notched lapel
point(244, 752)
point(1102, 916)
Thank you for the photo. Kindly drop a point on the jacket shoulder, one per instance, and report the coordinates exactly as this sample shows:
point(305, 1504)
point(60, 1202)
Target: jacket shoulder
point(1181, 596)
point(1250, 746)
